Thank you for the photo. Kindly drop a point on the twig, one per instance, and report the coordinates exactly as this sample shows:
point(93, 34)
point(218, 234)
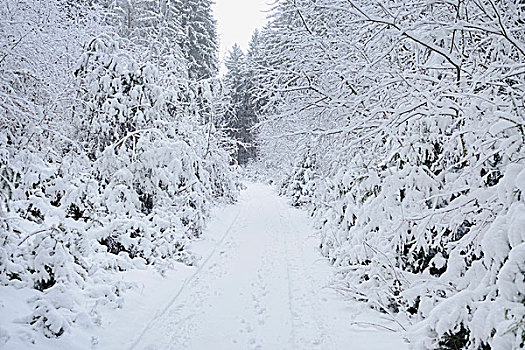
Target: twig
point(15, 45)
point(374, 325)
point(32, 234)
point(186, 188)
point(389, 313)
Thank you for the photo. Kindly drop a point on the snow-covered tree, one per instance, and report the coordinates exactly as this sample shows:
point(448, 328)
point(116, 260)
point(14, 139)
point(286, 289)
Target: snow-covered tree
point(105, 163)
point(199, 42)
point(300, 185)
point(414, 113)
point(240, 115)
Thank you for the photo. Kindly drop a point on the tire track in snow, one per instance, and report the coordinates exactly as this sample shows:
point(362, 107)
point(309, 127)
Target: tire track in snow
point(185, 283)
point(302, 305)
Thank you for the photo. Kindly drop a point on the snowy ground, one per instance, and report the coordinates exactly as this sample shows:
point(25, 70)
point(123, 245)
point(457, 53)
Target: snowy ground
point(261, 284)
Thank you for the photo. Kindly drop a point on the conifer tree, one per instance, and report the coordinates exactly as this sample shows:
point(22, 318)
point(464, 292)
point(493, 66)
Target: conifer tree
point(199, 42)
point(300, 185)
point(152, 27)
point(255, 61)
point(240, 115)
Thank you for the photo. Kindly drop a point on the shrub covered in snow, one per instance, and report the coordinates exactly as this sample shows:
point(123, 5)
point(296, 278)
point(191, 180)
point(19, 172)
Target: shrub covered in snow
point(300, 184)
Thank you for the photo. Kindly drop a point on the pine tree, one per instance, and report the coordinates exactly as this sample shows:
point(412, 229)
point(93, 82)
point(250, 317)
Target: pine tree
point(240, 115)
point(152, 27)
point(199, 42)
point(255, 63)
point(300, 185)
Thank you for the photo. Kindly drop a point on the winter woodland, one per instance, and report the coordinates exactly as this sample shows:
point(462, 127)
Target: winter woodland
point(399, 126)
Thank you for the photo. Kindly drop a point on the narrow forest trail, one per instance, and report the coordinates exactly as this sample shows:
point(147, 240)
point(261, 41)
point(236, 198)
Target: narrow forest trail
point(261, 286)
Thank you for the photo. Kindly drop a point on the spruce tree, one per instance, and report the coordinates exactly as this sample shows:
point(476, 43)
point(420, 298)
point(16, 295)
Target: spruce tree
point(152, 27)
point(199, 42)
point(240, 114)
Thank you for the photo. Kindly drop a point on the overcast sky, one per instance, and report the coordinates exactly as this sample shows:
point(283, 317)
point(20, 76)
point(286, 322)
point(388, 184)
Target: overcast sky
point(236, 21)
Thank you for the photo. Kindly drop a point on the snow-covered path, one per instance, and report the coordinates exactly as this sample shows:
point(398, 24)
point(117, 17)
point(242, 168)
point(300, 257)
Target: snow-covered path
point(261, 285)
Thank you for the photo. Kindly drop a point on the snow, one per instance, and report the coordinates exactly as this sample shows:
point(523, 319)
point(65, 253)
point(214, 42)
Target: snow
point(260, 284)
point(410, 160)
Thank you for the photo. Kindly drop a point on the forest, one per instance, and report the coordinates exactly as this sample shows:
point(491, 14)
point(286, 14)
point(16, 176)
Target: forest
point(398, 126)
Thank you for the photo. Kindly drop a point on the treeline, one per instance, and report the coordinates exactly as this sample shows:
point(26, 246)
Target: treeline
point(402, 125)
point(110, 158)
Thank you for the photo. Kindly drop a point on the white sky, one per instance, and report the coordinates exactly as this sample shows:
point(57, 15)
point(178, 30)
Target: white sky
point(236, 21)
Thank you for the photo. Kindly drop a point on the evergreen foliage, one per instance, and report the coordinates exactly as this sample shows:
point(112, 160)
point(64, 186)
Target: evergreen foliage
point(300, 185)
point(199, 42)
point(240, 114)
point(400, 125)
